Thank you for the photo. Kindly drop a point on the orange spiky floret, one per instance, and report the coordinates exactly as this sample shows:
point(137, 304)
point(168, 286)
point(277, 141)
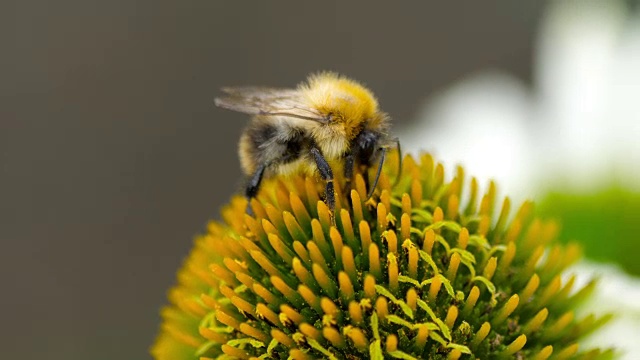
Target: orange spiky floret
point(412, 273)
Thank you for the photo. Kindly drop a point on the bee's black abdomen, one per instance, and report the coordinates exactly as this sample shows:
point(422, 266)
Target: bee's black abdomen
point(275, 144)
point(295, 146)
point(262, 134)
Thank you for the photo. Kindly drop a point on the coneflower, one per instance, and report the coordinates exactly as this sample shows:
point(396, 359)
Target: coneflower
point(410, 274)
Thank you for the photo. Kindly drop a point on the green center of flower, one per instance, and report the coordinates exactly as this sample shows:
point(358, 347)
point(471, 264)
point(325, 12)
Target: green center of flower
point(409, 274)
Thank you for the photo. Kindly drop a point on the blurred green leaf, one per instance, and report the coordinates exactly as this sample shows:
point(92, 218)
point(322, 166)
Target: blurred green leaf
point(605, 222)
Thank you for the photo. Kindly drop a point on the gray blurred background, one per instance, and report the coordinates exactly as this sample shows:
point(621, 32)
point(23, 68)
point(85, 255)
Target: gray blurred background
point(112, 155)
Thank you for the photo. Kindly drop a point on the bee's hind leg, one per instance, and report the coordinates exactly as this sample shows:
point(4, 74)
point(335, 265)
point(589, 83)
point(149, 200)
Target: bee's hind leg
point(253, 186)
point(327, 175)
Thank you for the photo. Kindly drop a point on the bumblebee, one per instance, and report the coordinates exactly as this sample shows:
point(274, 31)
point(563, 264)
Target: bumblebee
point(328, 118)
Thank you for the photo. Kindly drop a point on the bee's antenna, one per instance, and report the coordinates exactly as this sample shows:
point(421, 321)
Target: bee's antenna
point(375, 182)
point(399, 175)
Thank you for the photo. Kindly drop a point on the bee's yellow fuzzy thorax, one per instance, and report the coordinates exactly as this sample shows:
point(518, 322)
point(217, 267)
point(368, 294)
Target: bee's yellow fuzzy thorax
point(346, 100)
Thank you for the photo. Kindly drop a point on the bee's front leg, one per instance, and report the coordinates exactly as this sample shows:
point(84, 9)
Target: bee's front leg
point(349, 160)
point(399, 148)
point(327, 175)
point(383, 152)
point(253, 186)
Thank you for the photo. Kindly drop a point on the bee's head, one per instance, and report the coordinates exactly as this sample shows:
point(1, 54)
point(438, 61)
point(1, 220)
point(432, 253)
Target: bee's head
point(343, 101)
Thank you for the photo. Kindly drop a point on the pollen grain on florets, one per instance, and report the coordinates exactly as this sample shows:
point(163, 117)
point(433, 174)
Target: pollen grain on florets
point(412, 273)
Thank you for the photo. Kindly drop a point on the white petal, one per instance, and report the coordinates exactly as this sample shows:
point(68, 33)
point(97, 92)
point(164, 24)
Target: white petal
point(481, 124)
point(619, 294)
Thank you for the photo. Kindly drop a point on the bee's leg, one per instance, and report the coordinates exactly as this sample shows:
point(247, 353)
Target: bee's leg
point(327, 175)
point(397, 180)
point(349, 160)
point(253, 186)
point(383, 153)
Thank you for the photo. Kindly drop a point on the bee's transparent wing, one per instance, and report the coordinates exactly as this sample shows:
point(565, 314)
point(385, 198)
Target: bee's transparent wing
point(268, 101)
